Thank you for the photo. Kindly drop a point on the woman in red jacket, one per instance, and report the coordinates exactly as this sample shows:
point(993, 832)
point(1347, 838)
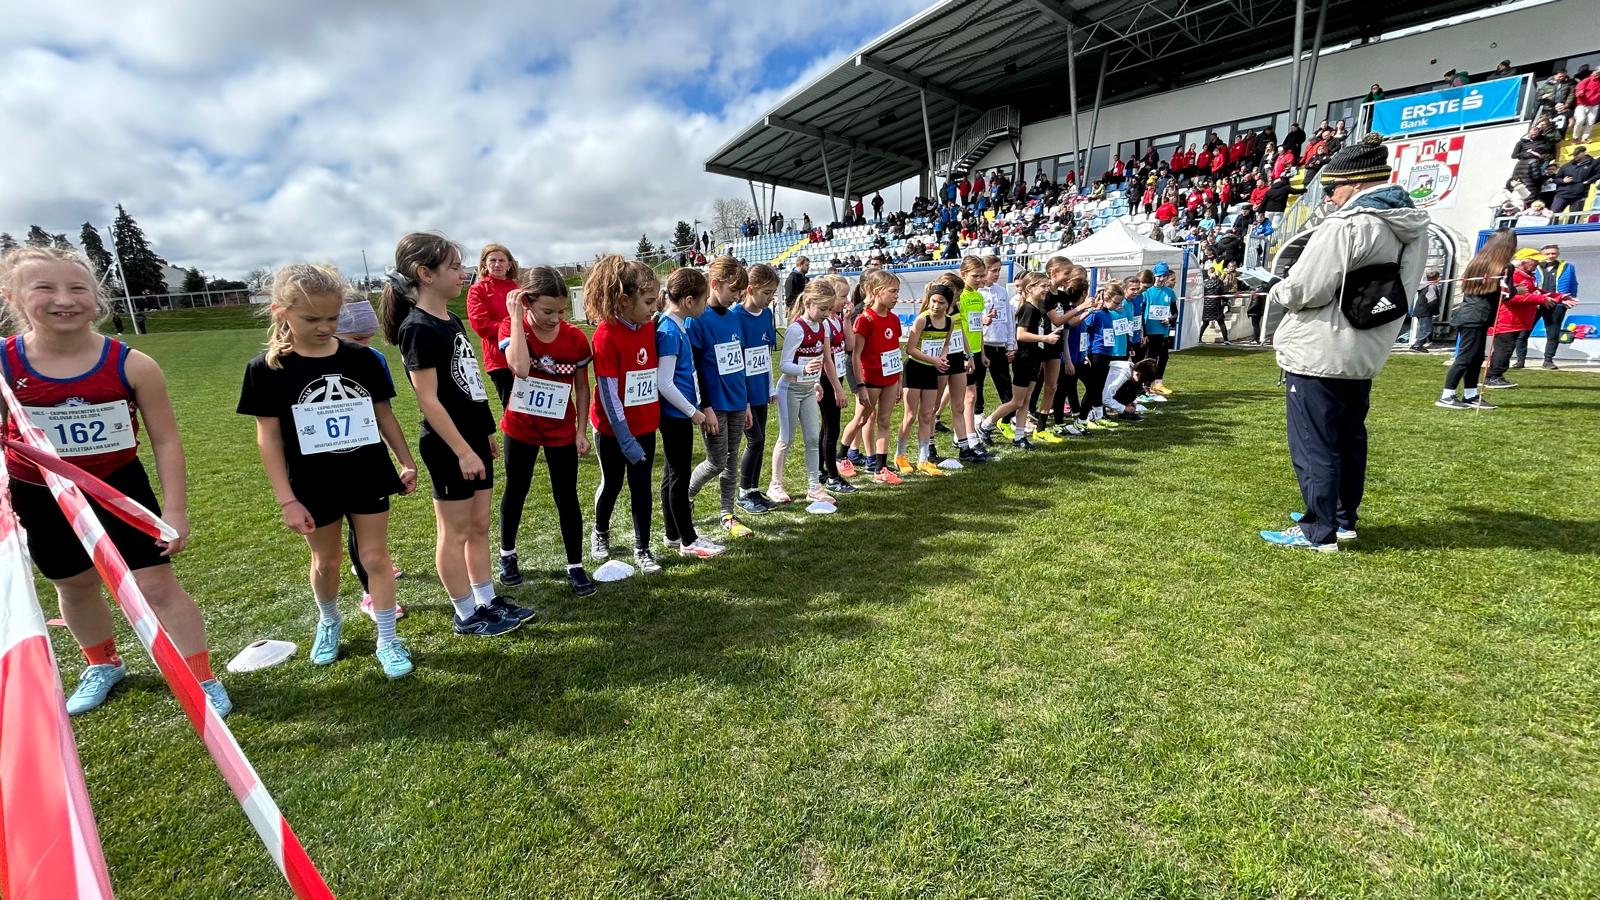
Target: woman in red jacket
point(486, 309)
point(1519, 308)
point(1219, 159)
point(1281, 165)
point(1167, 211)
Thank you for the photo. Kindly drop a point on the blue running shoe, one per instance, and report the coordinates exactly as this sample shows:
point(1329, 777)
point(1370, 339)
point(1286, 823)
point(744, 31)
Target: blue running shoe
point(1343, 534)
point(395, 657)
point(510, 610)
point(94, 685)
point(325, 646)
point(220, 701)
point(485, 622)
point(856, 457)
point(1294, 539)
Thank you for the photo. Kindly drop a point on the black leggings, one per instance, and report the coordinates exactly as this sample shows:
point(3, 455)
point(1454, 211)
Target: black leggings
point(828, 449)
point(1069, 390)
point(1159, 347)
point(1000, 368)
point(561, 463)
point(1469, 357)
point(1094, 381)
point(503, 381)
point(677, 450)
point(755, 447)
point(641, 501)
point(1222, 326)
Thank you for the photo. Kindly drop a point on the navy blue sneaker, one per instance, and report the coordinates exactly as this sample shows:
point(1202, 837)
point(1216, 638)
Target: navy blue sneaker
point(510, 610)
point(485, 622)
point(580, 581)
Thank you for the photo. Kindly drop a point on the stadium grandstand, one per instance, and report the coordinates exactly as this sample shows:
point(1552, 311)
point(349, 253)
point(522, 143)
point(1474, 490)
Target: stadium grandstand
point(1029, 125)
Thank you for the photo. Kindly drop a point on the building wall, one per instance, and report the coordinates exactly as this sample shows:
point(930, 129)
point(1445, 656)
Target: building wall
point(1563, 28)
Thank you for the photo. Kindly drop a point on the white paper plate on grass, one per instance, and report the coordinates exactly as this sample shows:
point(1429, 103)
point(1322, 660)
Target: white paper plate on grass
point(821, 508)
point(613, 570)
point(261, 655)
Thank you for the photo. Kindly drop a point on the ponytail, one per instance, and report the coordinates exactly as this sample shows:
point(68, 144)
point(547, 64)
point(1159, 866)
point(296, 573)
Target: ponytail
point(417, 250)
point(399, 298)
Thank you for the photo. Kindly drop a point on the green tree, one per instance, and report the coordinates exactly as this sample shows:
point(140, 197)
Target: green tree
point(683, 236)
point(60, 241)
point(140, 265)
point(99, 256)
point(7, 242)
point(193, 281)
point(645, 248)
point(38, 237)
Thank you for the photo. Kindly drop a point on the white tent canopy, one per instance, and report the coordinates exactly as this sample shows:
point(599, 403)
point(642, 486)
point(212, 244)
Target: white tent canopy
point(1118, 245)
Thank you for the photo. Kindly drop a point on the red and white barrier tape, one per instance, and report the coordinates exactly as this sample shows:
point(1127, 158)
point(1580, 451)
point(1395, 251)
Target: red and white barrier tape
point(259, 807)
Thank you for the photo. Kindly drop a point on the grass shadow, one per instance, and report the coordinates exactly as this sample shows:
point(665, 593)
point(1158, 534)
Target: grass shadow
point(1482, 528)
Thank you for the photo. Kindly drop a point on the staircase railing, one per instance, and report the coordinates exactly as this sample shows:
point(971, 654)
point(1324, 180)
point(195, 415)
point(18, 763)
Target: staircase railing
point(996, 123)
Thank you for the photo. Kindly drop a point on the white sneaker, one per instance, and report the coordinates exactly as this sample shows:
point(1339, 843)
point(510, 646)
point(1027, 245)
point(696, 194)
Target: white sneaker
point(672, 543)
point(701, 548)
point(778, 494)
point(817, 492)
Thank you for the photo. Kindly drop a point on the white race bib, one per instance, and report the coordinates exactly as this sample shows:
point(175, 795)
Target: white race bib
point(975, 320)
point(1122, 326)
point(1158, 313)
point(958, 341)
point(639, 387)
point(891, 361)
point(1108, 339)
point(841, 363)
point(932, 348)
point(758, 360)
point(540, 397)
point(806, 377)
point(1083, 342)
point(730, 357)
point(81, 430)
point(335, 425)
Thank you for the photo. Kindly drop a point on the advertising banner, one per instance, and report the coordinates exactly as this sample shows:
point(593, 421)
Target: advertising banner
point(1449, 109)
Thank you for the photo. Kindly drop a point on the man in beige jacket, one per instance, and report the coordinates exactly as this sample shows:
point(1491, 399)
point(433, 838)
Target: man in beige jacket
point(1328, 361)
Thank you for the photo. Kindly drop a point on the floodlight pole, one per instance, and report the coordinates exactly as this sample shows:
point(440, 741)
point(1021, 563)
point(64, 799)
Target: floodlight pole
point(1294, 69)
point(927, 136)
point(1072, 100)
point(366, 271)
point(127, 298)
point(828, 177)
point(849, 168)
point(1311, 67)
point(1099, 94)
point(955, 119)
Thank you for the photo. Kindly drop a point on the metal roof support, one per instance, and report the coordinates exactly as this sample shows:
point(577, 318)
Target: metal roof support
point(1294, 70)
point(804, 130)
point(753, 201)
point(954, 119)
point(911, 79)
point(849, 168)
point(829, 178)
point(1072, 101)
point(1311, 67)
point(1099, 94)
point(927, 136)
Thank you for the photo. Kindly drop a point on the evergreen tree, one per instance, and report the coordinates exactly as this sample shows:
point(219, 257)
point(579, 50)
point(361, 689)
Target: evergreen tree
point(193, 281)
point(140, 265)
point(99, 256)
point(683, 236)
point(60, 241)
point(645, 248)
point(7, 242)
point(38, 237)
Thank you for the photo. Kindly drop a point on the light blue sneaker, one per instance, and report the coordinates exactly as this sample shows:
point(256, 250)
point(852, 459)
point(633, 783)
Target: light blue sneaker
point(325, 647)
point(395, 658)
point(1294, 539)
point(1343, 534)
point(220, 701)
point(94, 685)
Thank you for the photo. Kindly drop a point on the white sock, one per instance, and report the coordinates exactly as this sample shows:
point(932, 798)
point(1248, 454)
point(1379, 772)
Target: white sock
point(922, 453)
point(573, 567)
point(464, 606)
point(984, 423)
point(483, 593)
point(900, 447)
point(1471, 393)
point(329, 611)
point(385, 620)
point(1446, 394)
point(505, 553)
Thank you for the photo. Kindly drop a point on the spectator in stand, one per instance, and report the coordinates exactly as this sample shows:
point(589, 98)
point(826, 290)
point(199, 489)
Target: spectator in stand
point(1258, 193)
point(1557, 89)
point(1532, 152)
point(877, 205)
point(1284, 162)
point(1574, 179)
point(1503, 69)
point(1295, 139)
point(1374, 94)
point(795, 282)
point(486, 309)
point(1537, 215)
point(1423, 310)
point(979, 188)
point(1147, 200)
point(1116, 173)
point(1586, 106)
point(1276, 199)
point(1261, 238)
point(1219, 159)
point(1456, 78)
point(1202, 163)
point(1557, 277)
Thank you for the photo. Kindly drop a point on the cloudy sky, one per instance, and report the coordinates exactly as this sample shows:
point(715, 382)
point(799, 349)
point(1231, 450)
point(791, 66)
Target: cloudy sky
point(254, 133)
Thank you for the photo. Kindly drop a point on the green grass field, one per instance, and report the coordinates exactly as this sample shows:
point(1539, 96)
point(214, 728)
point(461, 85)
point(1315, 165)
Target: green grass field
point(1078, 674)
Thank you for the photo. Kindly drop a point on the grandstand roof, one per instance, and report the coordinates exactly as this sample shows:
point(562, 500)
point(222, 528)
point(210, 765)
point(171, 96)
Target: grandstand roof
point(976, 55)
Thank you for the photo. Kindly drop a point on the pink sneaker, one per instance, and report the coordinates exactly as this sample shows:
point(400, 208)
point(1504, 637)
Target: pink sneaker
point(366, 607)
point(778, 494)
point(816, 492)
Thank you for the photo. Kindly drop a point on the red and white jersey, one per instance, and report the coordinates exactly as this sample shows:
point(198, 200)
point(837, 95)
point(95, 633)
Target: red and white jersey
point(90, 418)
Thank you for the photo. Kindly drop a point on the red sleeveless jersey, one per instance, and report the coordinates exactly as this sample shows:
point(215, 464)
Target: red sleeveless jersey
point(90, 418)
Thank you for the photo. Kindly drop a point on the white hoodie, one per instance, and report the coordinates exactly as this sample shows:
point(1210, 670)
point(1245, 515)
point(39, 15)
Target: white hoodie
point(1315, 338)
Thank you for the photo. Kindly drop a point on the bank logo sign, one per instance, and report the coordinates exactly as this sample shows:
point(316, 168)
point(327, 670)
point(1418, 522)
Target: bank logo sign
point(1449, 109)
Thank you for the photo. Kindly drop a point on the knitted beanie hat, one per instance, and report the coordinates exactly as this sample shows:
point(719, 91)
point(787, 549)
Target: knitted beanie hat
point(1366, 161)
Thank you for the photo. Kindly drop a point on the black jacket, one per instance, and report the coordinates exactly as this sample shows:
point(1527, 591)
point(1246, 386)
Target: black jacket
point(1582, 174)
point(793, 285)
point(1277, 196)
point(1425, 304)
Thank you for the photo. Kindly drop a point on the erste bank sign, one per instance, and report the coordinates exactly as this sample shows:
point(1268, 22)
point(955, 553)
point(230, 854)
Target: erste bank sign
point(1449, 109)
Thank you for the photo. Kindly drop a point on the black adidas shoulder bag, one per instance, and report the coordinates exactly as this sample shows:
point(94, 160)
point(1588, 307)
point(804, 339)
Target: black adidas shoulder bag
point(1373, 295)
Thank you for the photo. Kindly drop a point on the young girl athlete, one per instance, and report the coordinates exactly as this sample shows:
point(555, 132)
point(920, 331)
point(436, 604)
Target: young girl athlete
point(549, 359)
point(1034, 342)
point(927, 372)
point(687, 290)
point(808, 372)
point(322, 415)
point(834, 467)
point(621, 297)
point(719, 363)
point(760, 343)
point(86, 392)
point(850, 442)
point(878, 364)
point(457, 443)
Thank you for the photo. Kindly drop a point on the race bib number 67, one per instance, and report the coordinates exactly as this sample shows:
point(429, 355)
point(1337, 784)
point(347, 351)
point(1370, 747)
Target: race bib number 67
point(335, 425)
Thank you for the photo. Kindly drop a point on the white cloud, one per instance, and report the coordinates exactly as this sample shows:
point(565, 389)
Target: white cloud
point(255, 133)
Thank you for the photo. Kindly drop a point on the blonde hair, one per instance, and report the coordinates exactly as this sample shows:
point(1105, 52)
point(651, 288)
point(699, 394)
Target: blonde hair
point(873, 279)
point(1059, 264)
point(973, 268)
point(727, 271)
point(512, 274)
point(1027, 283)
point(816, 291)
point(834, 281)
point(760, 275)
point(417, 250)
point(18, 258)
point(611, 282)
point(291, 285)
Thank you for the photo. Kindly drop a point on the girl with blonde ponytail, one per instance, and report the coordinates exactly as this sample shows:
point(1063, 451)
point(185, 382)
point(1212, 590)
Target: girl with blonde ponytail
point(322, 414)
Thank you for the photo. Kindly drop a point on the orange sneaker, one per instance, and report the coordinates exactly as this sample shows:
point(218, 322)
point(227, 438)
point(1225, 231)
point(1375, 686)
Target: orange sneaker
point(847, 469)
point(886, 475)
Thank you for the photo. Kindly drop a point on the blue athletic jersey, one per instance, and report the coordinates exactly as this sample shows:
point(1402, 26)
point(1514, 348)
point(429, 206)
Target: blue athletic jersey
point(1133, 308)
point(756, 331)
point(1159, 303)
point(1120, 327)
point(672, 339)
point(1078, 341)
point(1101, 325)
point(719, 359)
point(385, 360)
